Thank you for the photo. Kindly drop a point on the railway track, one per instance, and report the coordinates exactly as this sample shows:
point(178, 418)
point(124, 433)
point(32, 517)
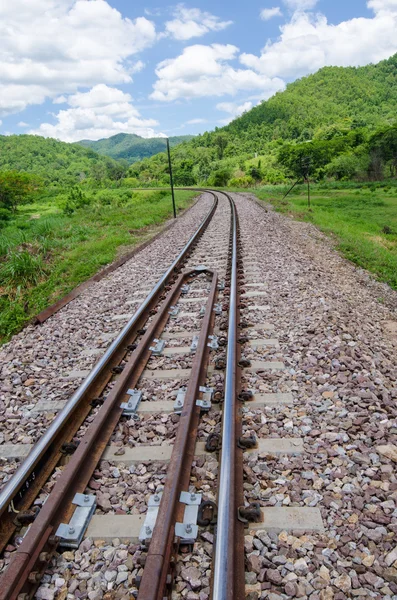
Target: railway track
point(158, 483)
point(113, 391)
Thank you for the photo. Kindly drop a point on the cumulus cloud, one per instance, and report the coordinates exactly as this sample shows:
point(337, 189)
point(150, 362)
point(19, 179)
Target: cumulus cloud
point(53, 47)
point(192, 22)
point(99, 113)
point(269, 13)
point(308, 42)
point(204, 71)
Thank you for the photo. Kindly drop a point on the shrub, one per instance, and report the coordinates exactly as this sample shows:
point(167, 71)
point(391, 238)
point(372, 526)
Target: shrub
point(105, 198)
point(76, 199)
point(5, 215)
point(220, 177)
point(241, 182)
point(344, 166)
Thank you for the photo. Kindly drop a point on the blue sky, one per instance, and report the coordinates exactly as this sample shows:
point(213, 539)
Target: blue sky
point(74, 69)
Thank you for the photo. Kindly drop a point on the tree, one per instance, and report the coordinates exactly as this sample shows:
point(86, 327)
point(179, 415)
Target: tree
point(255, 172)
point(220, 178)
point(344, 167)
point(17, 188)
point(383, 145)
point(117, 170)
point(221, 141)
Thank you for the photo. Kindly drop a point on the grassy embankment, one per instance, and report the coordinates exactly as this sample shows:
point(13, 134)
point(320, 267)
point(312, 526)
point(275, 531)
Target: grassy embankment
point(362, 218)
point(44, 253)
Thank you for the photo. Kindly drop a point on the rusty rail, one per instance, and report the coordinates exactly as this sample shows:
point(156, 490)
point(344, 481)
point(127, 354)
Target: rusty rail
point(31, 558)
point(152, 586)
point(23, 487)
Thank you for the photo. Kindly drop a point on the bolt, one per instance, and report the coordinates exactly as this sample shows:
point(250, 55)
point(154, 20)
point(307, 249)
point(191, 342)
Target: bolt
point(148, 530)
point(179, 403)
point(86, 498)
point(71, 530)
point(192, 496)
point(188, 528)
point(156, 498)
point(44, 556)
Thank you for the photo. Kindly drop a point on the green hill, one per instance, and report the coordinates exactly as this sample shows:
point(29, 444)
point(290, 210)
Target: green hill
point(367, 95)
point(343, 106)
point(55, 162)
point(131, 147)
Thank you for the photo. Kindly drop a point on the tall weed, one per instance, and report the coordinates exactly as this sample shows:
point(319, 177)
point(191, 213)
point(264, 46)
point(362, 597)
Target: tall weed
point(20, 270)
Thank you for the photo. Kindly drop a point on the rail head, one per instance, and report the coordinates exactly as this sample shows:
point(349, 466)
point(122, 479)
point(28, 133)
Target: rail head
point(224, 574)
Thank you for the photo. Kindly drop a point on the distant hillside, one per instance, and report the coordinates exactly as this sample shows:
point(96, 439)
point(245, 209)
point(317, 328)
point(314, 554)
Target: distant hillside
point(336, 102)
point(55, 162)
point(366, 95)
point(132, 147)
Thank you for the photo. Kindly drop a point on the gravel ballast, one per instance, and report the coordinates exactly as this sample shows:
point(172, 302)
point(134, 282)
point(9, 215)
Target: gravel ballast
point(334, 327)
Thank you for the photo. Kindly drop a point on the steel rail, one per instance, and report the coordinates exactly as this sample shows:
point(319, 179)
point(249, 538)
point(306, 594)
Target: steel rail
point(152, 586)
point(41, 447)
point(224, 575)
point(29, 561)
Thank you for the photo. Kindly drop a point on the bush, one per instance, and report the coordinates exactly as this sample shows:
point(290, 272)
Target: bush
point(241, 182)
point(5, 216)
point(76, 199)
point(105, 198)
point(344, 167)
point(220, 178)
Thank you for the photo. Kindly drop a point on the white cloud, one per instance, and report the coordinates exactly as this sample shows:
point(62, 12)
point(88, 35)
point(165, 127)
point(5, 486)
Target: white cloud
point(196, 121)
point(60, 100)
point(53, 47)
point(23, 124)
point(99, 113)
point(300, 4)
point(204, 71)
point(269, 13)
point(192, 22)
point(383, 5)
point(308, 42)
point(234, 109)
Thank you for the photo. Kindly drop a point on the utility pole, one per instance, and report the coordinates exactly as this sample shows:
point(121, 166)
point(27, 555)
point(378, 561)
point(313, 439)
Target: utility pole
point(171, 179)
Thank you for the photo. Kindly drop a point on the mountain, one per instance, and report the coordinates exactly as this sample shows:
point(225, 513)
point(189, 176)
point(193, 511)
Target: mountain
point(366, 95)
point(132, 147)
point(55, 162)
point(344, 106)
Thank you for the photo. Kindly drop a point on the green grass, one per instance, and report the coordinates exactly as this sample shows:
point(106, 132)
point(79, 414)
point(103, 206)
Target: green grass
point(44, 253)
point(363, 220)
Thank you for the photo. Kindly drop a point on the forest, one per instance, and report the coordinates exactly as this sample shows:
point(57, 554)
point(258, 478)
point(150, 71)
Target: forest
point(131, 147)
point(338, 124)
point(56, 163)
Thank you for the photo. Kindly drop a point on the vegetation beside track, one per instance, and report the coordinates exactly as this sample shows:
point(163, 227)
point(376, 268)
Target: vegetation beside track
point(363, 220)
point(52, 245)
